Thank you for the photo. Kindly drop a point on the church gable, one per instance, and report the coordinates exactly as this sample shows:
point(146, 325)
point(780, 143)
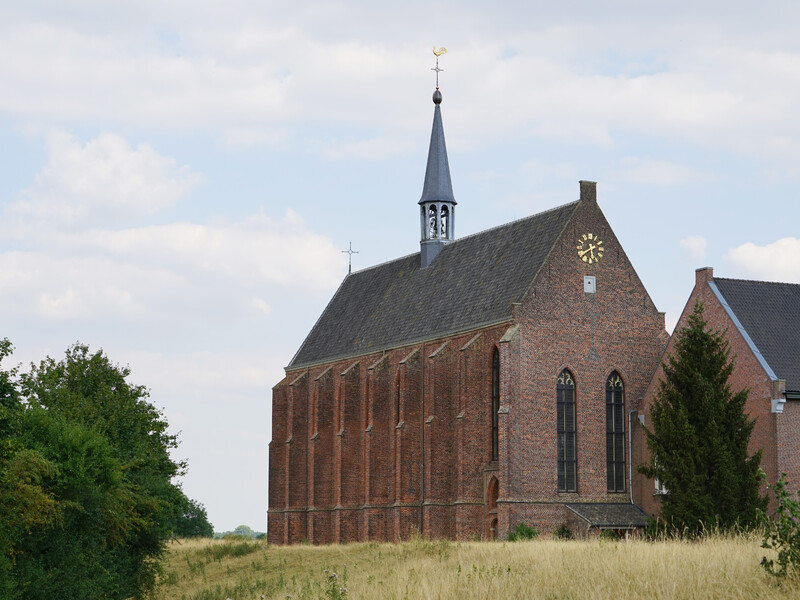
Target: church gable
point(585, 319)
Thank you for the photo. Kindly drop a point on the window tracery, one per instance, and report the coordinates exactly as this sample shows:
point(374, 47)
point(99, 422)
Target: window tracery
point(615, 432)
point(566, 426)
point(495, 404)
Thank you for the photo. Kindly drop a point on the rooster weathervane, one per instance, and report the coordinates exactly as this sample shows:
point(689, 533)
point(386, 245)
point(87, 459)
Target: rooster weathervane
point(438, 52)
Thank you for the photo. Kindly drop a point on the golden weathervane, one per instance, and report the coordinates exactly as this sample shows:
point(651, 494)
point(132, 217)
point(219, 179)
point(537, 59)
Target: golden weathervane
point(438, 53)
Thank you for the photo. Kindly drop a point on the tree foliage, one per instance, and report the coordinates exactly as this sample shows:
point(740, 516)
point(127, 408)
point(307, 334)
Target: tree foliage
point(87, 491)
point(699, 436)
point(523, 532)
point(782, 533)
point(189, 518)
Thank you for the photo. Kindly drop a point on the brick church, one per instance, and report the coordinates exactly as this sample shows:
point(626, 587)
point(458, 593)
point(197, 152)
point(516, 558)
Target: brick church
point(481, 382)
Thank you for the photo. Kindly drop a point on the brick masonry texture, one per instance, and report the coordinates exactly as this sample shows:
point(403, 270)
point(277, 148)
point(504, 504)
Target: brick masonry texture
point(380, 446)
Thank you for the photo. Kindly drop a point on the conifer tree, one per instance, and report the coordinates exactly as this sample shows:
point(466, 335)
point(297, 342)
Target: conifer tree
point(699, 436)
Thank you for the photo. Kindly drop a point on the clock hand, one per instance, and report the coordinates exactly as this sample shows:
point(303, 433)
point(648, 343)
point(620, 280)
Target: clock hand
point(589, 249)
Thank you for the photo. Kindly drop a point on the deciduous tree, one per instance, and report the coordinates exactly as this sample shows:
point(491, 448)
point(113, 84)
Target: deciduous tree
point(88, 495)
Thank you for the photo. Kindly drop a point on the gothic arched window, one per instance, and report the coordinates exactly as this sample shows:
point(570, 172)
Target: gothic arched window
point(566, 426)
point(444, 222)
point(397, 399)
point(495, 404)
point(615, 432)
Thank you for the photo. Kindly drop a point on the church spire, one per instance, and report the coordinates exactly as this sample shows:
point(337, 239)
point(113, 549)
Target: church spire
point(437, 204)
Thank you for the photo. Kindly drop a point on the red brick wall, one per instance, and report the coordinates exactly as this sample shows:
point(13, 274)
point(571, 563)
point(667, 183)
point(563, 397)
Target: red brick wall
point(277, 464)
point(788, 443)
point(366, 483)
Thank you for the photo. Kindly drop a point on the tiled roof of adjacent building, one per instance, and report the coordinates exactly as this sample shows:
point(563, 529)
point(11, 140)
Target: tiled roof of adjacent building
point(610, 515)
point(471, 283)
point(770, 314)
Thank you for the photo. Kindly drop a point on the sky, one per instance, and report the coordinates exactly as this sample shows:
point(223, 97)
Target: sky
point(178, 179)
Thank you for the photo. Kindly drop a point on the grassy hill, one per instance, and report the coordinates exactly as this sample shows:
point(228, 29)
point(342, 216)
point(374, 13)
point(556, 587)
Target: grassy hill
point(241, 569)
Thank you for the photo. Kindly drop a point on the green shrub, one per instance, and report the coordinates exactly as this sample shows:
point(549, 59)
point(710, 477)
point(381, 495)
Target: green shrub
point(563, 532)
point(656, 530)
point(523, 532)
point(782, 532)
point(608, 535)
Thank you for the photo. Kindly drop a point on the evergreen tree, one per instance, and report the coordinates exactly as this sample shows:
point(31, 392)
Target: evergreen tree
point(699, 436)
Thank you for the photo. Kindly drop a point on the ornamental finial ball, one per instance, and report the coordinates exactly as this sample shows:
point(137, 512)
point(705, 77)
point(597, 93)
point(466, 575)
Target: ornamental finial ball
point(437, 97)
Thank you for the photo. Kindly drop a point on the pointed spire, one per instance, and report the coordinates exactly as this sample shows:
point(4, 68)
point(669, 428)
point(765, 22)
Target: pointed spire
point(437, 187)
point(437, 204)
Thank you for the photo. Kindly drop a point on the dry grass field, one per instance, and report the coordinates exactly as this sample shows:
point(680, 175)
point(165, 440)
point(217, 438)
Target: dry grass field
point(714, 567)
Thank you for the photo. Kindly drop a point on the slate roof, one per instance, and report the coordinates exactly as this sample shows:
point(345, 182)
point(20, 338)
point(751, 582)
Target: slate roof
point(770, 314)
point(610, 515)
point(437, 186)
point(471, 283)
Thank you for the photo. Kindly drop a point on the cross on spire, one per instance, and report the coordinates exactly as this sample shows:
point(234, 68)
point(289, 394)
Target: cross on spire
point(350, 253)
point(438, 53)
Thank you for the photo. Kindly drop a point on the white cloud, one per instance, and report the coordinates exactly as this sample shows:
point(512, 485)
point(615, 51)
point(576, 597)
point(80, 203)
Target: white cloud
point(76, 261)
point(53, 284)
point(263, 79)
point(695, 247)
point(260, 306)
point(255, 251)
point(245, 137)
point(778, 261)
point(185, 268)
point(101, 180)
point(371, 149)
point(656, 172)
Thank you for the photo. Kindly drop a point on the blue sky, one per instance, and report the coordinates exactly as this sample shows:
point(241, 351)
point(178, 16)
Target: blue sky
point(179, 178)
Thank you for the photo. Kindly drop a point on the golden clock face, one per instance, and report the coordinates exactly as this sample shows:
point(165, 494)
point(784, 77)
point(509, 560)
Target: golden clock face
point(590, 248)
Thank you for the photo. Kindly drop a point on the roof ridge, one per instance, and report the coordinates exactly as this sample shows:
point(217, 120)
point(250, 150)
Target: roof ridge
point(466, 237)
point(515, 221)
point(386, 262)
point(756, 281)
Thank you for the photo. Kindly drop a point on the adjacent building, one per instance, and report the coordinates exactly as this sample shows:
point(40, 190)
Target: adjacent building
point(761, 322)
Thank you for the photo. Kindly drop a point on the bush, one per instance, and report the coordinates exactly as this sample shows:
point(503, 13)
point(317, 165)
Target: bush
point(655, 529)
point(563, 532)
point(523, 532)
point(608, 535)
point(782, 532)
